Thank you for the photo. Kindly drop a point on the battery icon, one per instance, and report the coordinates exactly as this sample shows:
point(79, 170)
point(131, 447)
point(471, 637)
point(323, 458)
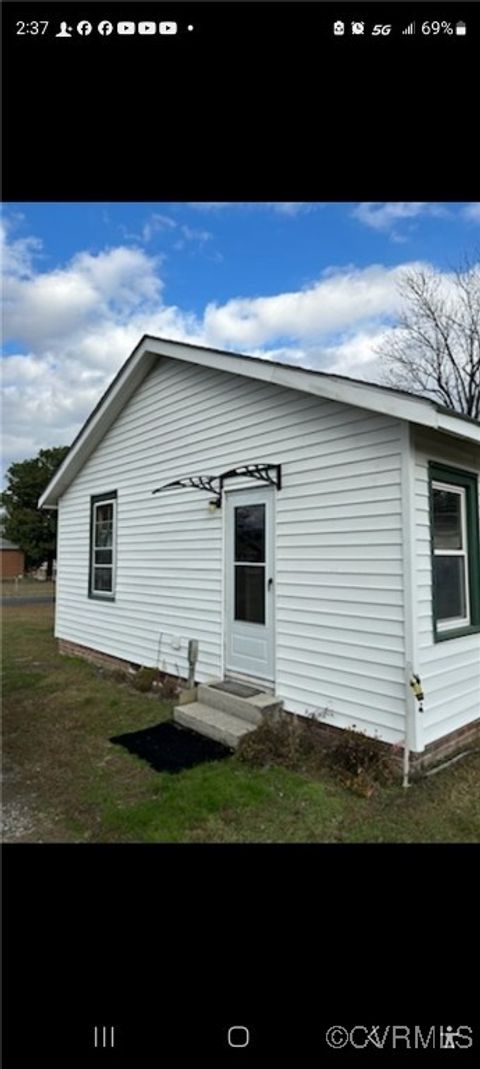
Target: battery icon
point(460, 29)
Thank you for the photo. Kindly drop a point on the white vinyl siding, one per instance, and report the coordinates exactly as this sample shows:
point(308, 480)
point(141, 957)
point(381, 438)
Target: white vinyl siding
point(449, 670)
point(339, 553)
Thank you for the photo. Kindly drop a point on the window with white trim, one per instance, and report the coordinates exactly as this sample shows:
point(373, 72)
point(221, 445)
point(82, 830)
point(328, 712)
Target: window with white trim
point(450, 556)
point(102, 545)
point(455, 551)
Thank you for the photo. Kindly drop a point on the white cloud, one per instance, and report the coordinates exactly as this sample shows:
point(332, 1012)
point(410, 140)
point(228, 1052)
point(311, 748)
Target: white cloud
point(384, 216)
point(157, 223)
point(356, 354)
point(164, 224)
point(17, 255)
point(196, 235)
point(53, 305)
point(380, 216)
point(338, 300)
point(78, 323)
point(472, 212)
point(74, 326)
point(190, 235)
point(353, 353)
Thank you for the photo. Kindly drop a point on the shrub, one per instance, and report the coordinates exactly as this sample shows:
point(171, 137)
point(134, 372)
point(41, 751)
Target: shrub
point(283, 739)
point(170, 687)
point(144, 678)
point(304, 745)
point(362, 760)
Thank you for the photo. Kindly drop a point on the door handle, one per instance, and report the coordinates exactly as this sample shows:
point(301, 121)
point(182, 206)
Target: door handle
point(270, 584)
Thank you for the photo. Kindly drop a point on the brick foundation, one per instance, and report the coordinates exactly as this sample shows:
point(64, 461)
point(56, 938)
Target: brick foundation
point(464, 738)
point(104, 660)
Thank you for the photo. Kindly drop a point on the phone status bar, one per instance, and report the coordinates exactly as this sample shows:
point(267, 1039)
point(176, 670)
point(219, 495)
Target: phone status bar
point(426, 28)
point(68, 29)
point(64, 29)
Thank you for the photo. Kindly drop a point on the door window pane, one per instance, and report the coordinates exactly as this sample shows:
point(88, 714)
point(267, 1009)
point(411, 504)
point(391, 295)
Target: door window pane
point(447, 520)
point(450, 587)
point(250, 593)
point(250, 533)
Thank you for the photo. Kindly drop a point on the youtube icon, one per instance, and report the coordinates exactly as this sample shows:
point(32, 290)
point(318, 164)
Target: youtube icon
point(168, 27)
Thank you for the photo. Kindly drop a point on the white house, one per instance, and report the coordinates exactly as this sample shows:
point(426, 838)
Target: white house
point(337, 559)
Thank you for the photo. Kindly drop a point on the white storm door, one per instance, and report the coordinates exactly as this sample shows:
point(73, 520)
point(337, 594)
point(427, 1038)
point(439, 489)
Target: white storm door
point(249, 583)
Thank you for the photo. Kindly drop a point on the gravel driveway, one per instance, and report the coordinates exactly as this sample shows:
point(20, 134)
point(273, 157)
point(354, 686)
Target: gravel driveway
point(21, 814)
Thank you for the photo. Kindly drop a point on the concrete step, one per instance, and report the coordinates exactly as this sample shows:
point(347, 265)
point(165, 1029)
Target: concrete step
point(214, 723)
point(249, 709)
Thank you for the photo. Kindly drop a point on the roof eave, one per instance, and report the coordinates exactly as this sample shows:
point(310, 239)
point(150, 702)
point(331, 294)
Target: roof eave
point(363, 395)
point(458, 426)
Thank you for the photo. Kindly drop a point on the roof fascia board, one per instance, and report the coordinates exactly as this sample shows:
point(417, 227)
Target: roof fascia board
point(458, 428)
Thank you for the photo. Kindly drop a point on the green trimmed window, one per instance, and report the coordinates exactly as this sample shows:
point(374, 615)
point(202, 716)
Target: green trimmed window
point(103, 513)
point(455, 552)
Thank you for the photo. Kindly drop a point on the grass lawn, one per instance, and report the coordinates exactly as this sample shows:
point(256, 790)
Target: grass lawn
point(65, 782)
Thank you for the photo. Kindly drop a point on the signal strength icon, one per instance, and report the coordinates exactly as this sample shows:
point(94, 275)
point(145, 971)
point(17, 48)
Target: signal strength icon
point(409, 29)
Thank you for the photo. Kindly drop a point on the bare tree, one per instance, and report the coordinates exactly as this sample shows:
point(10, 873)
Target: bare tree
point(434, 349)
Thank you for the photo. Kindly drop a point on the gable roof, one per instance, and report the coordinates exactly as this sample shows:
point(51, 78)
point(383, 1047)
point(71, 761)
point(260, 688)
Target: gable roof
point(375, 398)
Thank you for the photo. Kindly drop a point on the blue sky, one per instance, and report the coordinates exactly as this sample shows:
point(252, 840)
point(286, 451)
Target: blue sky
point(315, 284)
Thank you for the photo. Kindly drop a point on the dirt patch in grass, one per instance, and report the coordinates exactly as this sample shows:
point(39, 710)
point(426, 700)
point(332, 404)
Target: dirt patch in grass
point(64, 781)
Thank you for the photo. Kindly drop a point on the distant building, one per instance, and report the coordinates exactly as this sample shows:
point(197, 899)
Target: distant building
point(13, 559)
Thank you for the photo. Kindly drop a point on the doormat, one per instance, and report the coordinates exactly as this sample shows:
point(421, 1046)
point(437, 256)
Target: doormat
point(230, 686)
point(168, 748)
